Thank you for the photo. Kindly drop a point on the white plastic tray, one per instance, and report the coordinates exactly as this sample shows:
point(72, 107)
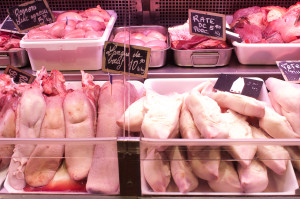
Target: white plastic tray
point(70, 54)
point(278, 185)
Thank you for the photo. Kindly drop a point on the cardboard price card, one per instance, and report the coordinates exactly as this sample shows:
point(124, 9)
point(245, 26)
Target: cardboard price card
point(290, 70)
point(207, 24)
point(239, 85)
point(31, 14)
point(134, 61)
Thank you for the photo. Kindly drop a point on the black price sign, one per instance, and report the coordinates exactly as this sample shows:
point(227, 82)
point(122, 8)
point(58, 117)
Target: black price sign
point(207, 24)
point(18, 75)
point(136, 61)
point(31, 14)
point(290, 70)
point(239, 85)
point(8, 25)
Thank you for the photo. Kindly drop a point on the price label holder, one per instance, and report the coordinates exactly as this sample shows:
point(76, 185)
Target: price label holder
point(31, 15)
point(18, 75)
point(290, 70)
point(208, 24)
point(239, 85)
point(9, 26)
point(117, 56)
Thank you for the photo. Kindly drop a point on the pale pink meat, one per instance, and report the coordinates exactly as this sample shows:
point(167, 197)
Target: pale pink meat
point(89, 25)
point(181, 171)
point(76, 33)
point(58, 29)
point(114, 99)
point(205, 162)
point(93, 34)
point(46, 159)
point(286, 96)
point(28, 125)
point(253, 178)
point(156, 44)
point(273, 156)
point(239, 128)
point(206, 114)
point(157, 35)
point(80, 114)
point(161, 119)
point(156, 169)
point(69, 16)
point(98, 11)
point(228, 180)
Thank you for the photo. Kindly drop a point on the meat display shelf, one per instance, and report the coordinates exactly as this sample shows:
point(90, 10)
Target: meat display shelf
point(172, 71)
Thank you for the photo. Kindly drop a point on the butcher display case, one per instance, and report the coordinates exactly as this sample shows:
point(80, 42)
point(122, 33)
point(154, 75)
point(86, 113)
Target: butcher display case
point(136, 165)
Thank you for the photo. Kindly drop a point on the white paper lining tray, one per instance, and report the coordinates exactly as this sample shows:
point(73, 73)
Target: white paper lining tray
point(264, 53)
point(278, 184)
point(71, 54)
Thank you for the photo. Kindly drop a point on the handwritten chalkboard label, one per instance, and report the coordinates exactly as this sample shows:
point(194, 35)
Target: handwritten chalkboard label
point(239, 85)
point(207, 24)
point(8, 26)
point(18, 75)
point(136, 61)
point(290, 70)
point(31, 14)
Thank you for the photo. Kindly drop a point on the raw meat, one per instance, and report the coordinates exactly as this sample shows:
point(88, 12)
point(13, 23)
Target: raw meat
point(205, 162)
point(133, 117)
point(80, 118)
point(69, 16)
point(7, 127)
point(276, 125)
point(207, 115)
point(253, 178)
point(187, 127)
point(46, 159)
point(273, 156)
point(285, 98)
point(161, 119)
point(156, 169)
point(228, 180)
point(114, 99)
point(239, 128)
point(28, 125)
point(181, 171)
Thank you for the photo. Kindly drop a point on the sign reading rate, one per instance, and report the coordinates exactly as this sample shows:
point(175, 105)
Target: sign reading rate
point(136, 60)
point(239, 85)
point(18, 75)
point(207, 24)
point(31, 14)
point(290, 70)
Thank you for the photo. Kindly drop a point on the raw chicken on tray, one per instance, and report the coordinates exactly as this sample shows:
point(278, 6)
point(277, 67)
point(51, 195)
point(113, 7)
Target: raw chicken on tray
point(48, 109)
point(206, 113)
point(270, 24)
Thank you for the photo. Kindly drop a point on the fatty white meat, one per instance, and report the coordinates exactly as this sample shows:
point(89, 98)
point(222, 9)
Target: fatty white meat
point(274, 157)
point(28, 125)
point(207, 115)
point(80, 119)
point(254, 177)
point(187, 127)
point(286, 97)
point(133, 117)
point(161, 119)
point(46, 159)
point(113, 101)
point(276, 125)
point(239, 128)
point(7, 128)
point(157, 171)
point(205, 162)
point(181, 171)
point(228, 180)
